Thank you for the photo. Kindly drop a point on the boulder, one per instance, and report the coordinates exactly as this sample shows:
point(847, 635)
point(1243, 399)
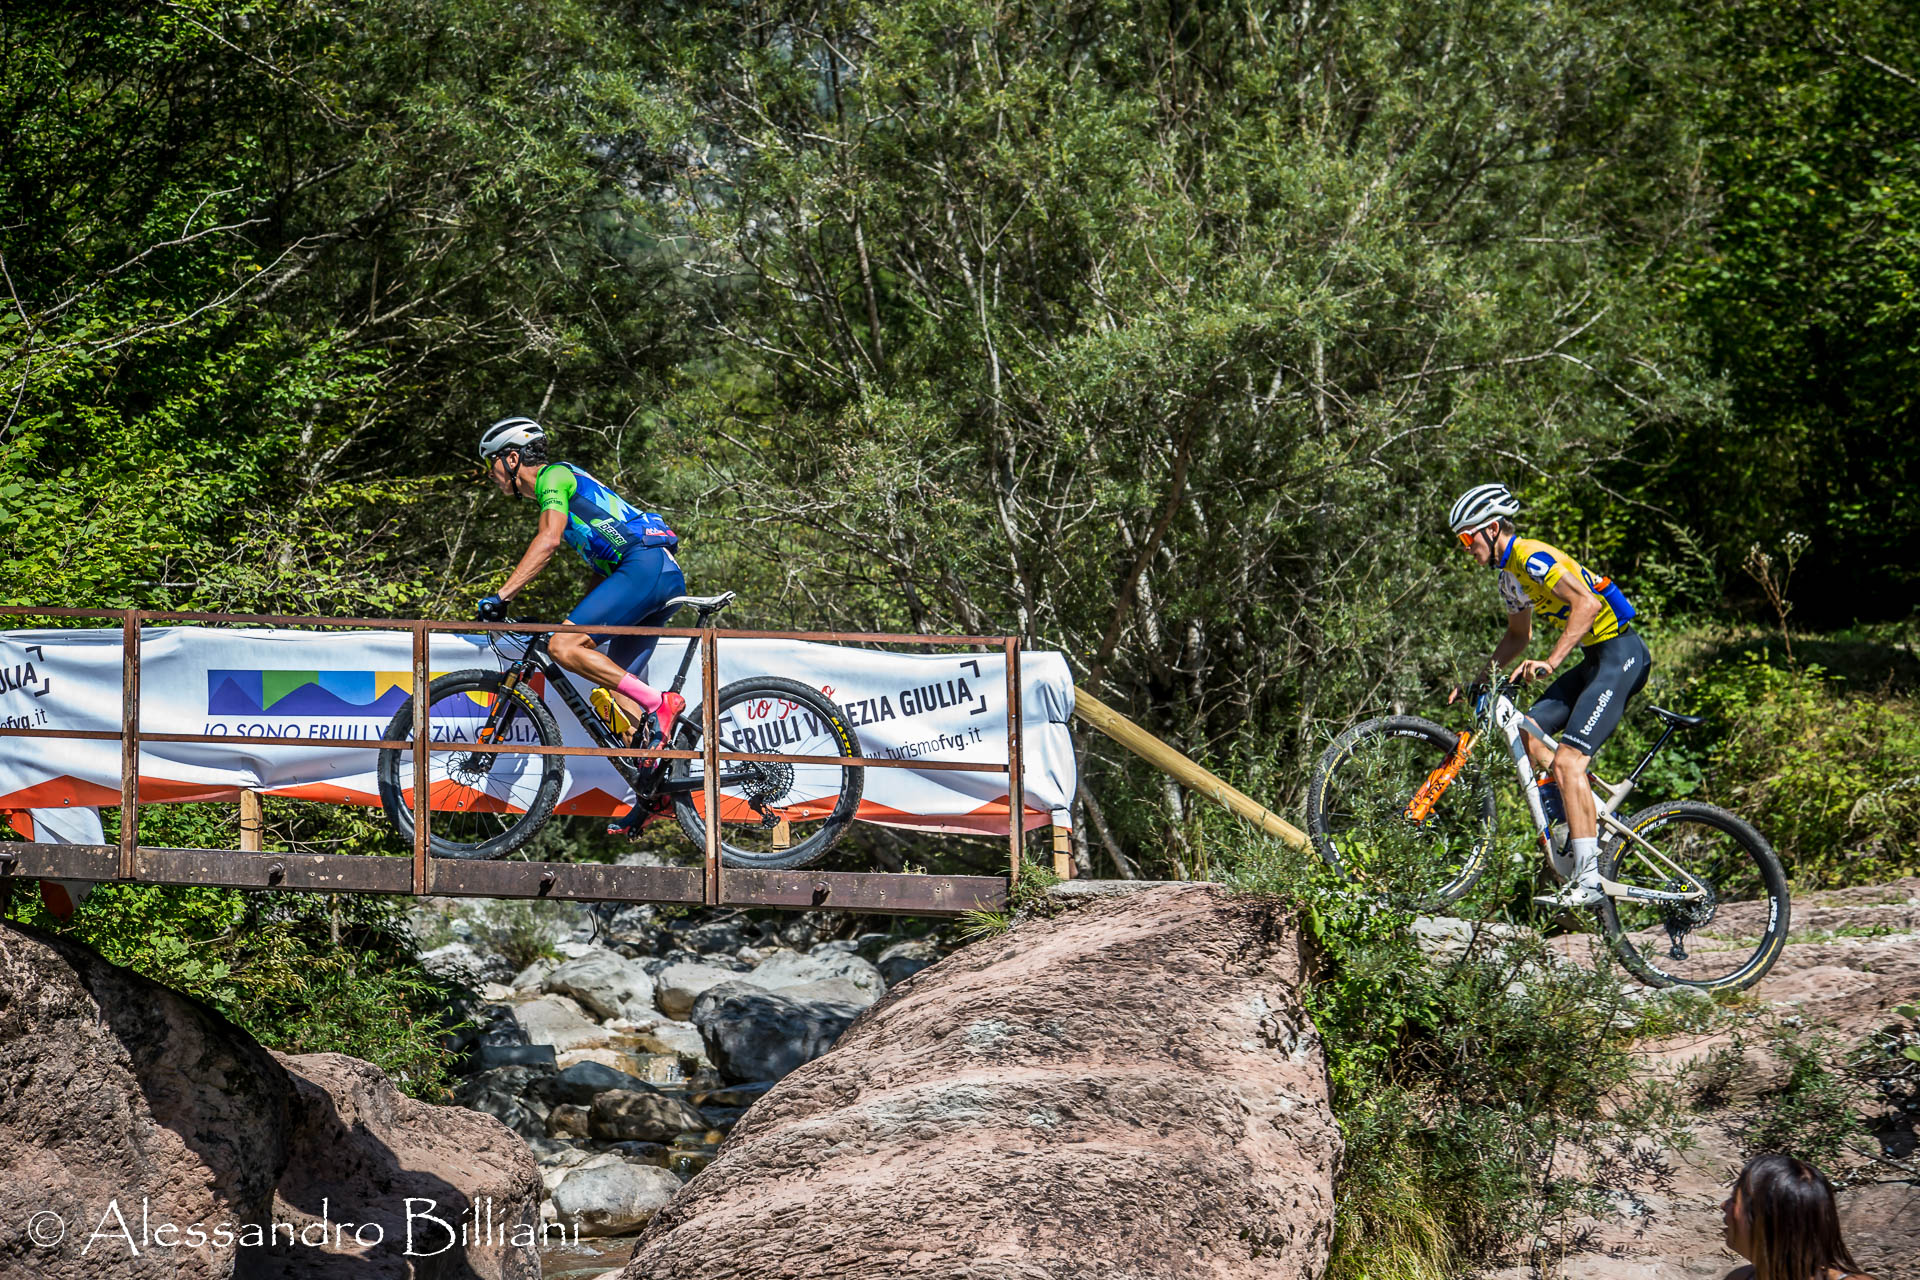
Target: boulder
point(459, 963)
point(668, 1036)
point(708, 936)
point(612, 1199)
point(580, 1083)
point(488, 1056)
point(606, 985)
point(124, 1098)
point(362, 1151)
point(568, 1120)
point(121, 1092)
point(677, 986)
point(511, 1095)
point(785, 969)
point(902, 960)
point(530, 978)
point(642, 1115)
point(755, 1034)
point(829, 990)
point(1130, 1088)
point(558, 1021)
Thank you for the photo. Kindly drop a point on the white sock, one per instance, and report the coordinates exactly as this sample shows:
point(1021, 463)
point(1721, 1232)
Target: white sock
point(1586, 857)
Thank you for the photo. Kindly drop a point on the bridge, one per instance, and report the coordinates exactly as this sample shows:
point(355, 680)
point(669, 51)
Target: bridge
point(713, 883)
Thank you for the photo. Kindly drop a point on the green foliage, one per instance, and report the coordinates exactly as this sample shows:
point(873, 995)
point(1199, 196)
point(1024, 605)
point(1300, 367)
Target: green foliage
point(1831, 777)
point(979, 925)
point(1469, 1088)
point(1805, 290)
point(522, 930)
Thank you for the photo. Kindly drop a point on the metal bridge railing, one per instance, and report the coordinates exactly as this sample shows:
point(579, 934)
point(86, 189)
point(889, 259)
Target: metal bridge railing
point(711, 884)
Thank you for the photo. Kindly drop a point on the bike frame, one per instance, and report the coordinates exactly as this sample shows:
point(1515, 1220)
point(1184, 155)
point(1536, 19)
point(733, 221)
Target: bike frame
point(1511, 723)
point(648, 781)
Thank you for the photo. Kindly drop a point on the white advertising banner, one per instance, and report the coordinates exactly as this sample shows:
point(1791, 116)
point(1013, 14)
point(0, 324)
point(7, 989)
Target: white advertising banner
point(336, 688)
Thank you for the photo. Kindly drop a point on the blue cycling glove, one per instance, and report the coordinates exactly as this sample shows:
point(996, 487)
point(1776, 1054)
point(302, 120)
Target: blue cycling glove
point(491, 609)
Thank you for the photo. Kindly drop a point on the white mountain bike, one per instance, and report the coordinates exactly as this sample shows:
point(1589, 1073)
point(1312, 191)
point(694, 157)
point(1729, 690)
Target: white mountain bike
point(1695, 896)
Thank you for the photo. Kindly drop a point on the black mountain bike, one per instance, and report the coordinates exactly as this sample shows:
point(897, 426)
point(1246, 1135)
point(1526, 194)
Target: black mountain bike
point(1695, 896)
point(487, 804)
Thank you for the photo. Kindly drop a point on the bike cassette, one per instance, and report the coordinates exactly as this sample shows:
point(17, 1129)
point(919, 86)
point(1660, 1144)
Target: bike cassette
point(769, 783)
point(1682, 918)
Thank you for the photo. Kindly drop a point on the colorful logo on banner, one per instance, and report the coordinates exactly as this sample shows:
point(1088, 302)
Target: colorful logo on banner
point(347, 695)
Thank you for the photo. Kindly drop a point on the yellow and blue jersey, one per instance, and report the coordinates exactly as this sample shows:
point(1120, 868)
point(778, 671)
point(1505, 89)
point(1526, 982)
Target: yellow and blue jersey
point(1530, 568)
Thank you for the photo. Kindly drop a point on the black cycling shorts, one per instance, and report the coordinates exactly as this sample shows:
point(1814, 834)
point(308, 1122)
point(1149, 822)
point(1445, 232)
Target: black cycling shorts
point(1588, 700)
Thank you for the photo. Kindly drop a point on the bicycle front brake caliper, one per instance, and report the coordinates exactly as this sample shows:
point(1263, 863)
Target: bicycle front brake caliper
point(1420, 808)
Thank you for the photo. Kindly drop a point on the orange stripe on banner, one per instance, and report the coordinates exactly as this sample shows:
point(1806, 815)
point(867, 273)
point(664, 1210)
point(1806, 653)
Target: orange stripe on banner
point(20, 820)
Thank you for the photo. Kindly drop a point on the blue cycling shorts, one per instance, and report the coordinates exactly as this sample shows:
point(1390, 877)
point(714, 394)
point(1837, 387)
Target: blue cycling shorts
point(633, 595)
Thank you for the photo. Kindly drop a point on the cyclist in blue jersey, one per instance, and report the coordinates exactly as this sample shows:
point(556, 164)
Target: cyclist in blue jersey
point(630, 552)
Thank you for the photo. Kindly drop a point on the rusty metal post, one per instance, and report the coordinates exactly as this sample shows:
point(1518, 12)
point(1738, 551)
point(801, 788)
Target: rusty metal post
point(129, 741)
point(710, 752)
point(252, 821)
point(1016, 794)
point(422, 800)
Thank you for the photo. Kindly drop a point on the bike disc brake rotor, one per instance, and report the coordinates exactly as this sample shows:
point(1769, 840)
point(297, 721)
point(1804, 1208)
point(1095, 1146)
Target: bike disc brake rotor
point(766, 784)
point(1682, 918)
point(471, 770)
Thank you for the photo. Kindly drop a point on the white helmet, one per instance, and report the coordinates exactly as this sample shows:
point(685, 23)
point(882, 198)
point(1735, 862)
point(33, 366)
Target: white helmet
point(510, 433)
point(1480, 504)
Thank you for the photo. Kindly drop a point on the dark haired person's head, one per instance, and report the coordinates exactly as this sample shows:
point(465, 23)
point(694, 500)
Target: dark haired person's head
point(1782, 1218)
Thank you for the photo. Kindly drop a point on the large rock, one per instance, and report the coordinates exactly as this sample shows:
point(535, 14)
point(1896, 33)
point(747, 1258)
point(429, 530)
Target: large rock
point(613, 1198)
point(902, 960)
point(459, 963)
point(787, 969)
point(124, 1102)
point(681, 1039)
point(362, 1152)
point(755, 1034)
point(560, 1022)
point(513, 1095)
point(677, 986)
point(120, 1094)
point(642, 1115)
point(580, 1083)
point(1129, 1089)
point(606, 985)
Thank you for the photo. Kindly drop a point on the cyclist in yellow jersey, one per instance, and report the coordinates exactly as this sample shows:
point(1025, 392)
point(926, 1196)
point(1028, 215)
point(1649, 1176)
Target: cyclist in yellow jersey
point(1583, 706)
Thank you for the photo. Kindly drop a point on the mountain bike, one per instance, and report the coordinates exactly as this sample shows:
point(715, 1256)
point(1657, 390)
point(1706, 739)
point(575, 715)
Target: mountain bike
point(1695, 896)
point(486, 804)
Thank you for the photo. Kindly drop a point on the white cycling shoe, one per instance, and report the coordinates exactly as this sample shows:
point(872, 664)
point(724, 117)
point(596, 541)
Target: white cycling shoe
point(1587, 890)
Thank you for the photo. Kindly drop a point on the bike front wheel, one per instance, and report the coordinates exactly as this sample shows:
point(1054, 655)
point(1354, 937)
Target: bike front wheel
point(1357, 812)
point(774, 815)
point(483, 804)
point(1733, 929)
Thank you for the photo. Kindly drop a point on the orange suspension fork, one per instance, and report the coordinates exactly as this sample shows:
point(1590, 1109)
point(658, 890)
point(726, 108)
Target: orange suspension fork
point(1421, 806)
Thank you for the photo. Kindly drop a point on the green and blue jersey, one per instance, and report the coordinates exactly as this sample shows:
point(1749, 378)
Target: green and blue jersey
point(601, 525)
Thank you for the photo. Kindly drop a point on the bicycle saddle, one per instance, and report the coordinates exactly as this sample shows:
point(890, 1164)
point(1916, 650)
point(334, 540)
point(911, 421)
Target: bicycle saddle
point(705, 604)
point(1677, 720)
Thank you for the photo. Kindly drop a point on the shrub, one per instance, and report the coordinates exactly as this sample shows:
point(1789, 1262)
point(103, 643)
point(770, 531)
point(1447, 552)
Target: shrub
point(1486, 1100)
point(1831, 778)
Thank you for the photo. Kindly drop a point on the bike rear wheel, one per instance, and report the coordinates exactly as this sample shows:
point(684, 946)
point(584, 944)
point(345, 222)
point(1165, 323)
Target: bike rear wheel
point(1726, 941)
point(483, 804)
point(773, 816)
point(1357, 812)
